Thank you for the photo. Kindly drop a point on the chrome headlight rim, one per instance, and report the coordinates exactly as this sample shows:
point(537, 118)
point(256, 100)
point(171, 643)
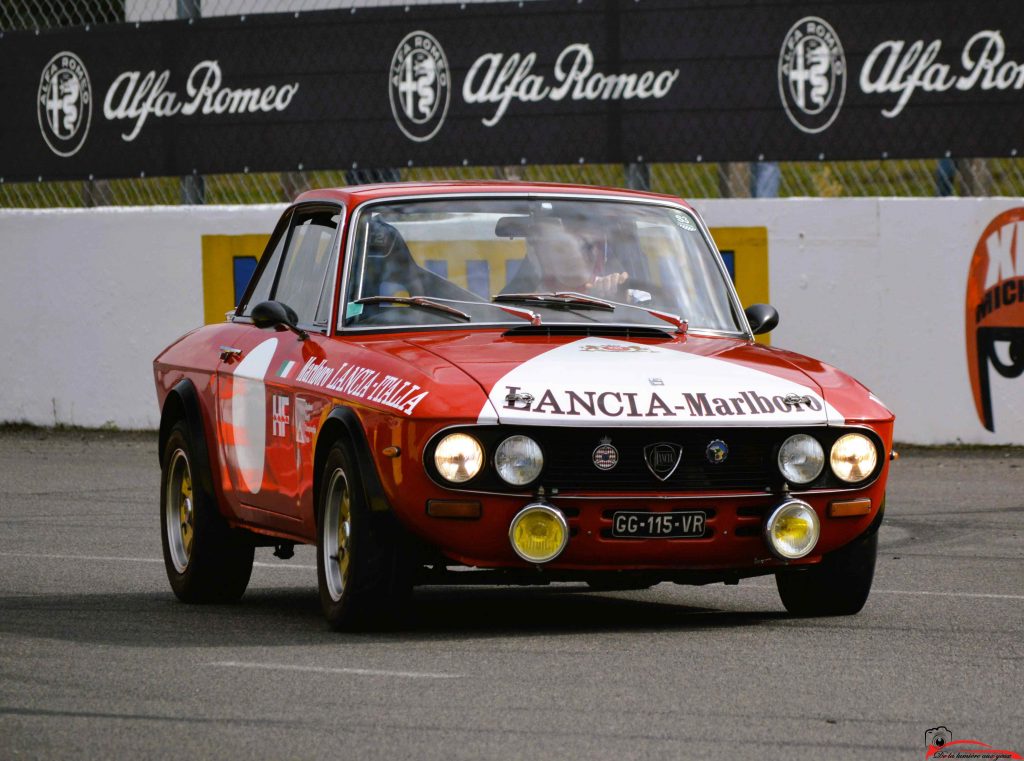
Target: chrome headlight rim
point(789, 475)
point(537, 468)
point(791, 505)
point(481, 457)
point(868, 473)
point(553, 512)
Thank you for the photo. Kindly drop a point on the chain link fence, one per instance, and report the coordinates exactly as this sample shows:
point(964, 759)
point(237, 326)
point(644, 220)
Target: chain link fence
point(891, 177)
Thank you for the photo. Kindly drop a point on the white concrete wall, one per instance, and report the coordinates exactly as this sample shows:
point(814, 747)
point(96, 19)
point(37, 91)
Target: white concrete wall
point(92, 296)
point(873, 286)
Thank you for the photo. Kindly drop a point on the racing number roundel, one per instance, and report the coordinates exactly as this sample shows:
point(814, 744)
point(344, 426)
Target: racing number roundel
point(249, 415)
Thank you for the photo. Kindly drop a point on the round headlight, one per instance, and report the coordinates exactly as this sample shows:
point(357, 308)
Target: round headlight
point(458, 457)
point(854, 457)
point(538, 533)
point(792, 530)
point(518, 460)
point(801, 459)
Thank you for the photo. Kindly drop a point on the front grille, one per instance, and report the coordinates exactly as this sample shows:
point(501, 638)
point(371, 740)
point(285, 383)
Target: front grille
point(569, 460)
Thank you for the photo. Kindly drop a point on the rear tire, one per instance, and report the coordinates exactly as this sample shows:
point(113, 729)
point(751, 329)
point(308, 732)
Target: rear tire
point(359, 569)
point(206, 561)
point(838, 586)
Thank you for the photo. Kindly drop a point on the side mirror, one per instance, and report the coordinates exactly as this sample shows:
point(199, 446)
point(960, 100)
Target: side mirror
point(273, 314)
point(763, 318)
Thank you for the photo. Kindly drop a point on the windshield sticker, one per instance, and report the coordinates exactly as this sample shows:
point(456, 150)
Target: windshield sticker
point(684, 221)
point(355, 382)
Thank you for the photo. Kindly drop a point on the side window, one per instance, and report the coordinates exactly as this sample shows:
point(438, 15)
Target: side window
point(304, 282)
point(266, 271)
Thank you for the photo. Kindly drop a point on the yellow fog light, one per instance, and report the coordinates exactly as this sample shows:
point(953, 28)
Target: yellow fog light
point(792, 530)
point(538, 533)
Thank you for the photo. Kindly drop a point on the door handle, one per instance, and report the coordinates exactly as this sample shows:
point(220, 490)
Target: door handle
point(229, 353)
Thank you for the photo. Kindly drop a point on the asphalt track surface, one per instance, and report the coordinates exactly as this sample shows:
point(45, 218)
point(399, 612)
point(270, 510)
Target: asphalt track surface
point(98, 660)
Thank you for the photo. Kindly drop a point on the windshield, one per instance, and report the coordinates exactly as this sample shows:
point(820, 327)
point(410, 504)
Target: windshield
point(494, 260)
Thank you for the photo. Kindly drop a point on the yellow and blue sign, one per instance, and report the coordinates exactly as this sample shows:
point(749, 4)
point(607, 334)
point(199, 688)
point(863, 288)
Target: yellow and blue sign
point(228, 264)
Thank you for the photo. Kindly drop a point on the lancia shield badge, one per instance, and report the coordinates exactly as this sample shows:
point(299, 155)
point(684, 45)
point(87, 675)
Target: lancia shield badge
point(663, 458)
point(717, 451)
point(606, 456)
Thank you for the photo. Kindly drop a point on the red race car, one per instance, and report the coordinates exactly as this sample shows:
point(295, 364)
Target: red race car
point(510, 383)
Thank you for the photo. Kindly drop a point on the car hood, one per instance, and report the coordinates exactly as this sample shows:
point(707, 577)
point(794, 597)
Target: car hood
point(601, 381)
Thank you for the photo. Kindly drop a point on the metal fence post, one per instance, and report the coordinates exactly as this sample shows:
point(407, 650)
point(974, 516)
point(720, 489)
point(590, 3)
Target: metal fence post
point(638, 176)
point(975, 176)
point(95, 193)
point(734, 179)
point(193, 187)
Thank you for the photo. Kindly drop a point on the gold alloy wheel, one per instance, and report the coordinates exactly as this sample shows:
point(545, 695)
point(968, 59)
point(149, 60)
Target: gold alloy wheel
point(179, 510)
point(337, 534)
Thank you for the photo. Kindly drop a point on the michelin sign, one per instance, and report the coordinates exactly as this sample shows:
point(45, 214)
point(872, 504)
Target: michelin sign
point(995, 315)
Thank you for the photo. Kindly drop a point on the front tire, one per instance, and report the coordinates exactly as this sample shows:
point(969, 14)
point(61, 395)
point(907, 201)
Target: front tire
point(838, 586)
point(206, 561)
point(359, 571)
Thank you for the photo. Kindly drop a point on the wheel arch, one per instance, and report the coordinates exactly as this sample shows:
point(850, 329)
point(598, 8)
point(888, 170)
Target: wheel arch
point(343, 424)
point(182, 404)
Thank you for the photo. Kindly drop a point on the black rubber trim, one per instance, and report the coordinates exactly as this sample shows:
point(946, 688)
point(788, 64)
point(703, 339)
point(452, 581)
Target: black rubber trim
point(876, 524)
point(372, 488)
point(188, 398)
point(869, 532)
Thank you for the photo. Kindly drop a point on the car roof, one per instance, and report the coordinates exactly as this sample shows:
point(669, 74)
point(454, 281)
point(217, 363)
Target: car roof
point(355, 194)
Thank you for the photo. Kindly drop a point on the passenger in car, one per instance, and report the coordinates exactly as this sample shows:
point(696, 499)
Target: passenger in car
point(574, 255)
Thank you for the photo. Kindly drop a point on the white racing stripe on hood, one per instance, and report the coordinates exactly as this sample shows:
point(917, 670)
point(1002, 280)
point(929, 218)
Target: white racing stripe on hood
point(604, 382)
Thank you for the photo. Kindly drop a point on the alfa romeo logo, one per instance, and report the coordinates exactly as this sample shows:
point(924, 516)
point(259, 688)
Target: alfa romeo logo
point(812, 74)
point(64, 104)
point(420, 86)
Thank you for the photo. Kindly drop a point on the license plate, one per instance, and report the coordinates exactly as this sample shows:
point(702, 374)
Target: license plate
point(636, 525)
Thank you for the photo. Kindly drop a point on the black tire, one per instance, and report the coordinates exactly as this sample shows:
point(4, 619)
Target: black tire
point(361, 575)
point(838, 586)
point(206, 561)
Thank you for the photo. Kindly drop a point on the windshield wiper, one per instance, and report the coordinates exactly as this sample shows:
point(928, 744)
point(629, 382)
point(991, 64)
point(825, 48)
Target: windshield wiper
point(416, 301)
point(560, 299)
point(572, 298)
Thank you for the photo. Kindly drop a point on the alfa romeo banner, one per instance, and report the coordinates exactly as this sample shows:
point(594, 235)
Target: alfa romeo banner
point(551, 81)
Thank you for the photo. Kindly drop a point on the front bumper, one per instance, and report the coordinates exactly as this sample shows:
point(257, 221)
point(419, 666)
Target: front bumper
point(733, 540)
